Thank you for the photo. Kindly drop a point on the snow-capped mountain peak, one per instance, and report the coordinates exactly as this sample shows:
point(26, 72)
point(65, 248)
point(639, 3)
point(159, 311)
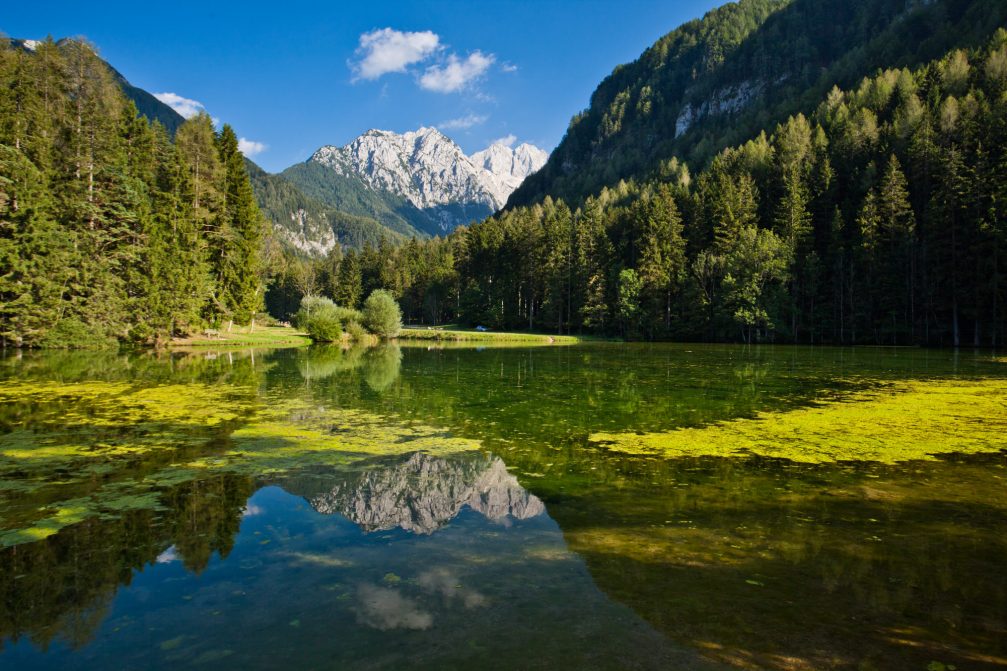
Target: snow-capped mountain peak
point(431, 171)
point(508, 166)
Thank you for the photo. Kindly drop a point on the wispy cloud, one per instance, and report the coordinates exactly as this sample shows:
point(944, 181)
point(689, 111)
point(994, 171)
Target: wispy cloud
point(464, 122)
point(251, 148)
point(456, 73)
point(187, 107)
point(387, 50)
point(508, 67)
point(506, 140)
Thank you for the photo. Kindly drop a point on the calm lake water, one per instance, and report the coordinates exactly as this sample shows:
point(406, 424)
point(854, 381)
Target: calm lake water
point(592, 506)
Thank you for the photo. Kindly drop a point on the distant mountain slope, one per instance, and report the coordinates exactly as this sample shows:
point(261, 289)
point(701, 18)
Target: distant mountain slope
point(417, 183)
point(714, 82)
point(350, 194)
point(307, 225)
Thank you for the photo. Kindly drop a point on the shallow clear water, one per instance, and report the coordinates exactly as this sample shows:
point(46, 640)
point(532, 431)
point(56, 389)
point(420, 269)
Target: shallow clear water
point(450, 508)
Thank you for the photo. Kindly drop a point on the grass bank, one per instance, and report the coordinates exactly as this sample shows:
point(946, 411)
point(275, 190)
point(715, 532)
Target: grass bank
point(259, 336)
point(470, 335)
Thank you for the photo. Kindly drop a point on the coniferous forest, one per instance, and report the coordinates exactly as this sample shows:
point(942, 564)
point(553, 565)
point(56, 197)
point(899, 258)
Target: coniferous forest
point(880, 218)
point(111, 229)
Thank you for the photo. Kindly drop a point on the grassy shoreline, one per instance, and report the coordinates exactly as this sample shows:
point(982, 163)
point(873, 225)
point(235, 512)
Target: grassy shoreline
point(261, 336)
point(467, 335)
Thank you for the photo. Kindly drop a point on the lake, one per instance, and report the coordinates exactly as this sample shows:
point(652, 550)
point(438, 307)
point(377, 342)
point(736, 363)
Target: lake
point(588, 506)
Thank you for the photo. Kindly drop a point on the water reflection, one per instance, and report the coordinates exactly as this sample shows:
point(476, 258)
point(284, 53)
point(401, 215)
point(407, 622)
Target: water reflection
point(419, 493)
point(410, 589)
point(59, 589)
point(380, 365)
point(329, 507)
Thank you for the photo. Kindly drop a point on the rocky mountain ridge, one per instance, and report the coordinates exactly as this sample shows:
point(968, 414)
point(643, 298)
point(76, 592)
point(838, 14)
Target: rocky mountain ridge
point(423, 493)
point(431, 173)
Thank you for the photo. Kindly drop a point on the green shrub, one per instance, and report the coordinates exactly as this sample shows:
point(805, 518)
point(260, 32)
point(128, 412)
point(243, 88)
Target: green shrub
point(310, 305)
point(356, 332)
point(74, 334)
point(265, 319)
point(320, 318)
point(323, 326)
point(348, 316)
point(382, 316)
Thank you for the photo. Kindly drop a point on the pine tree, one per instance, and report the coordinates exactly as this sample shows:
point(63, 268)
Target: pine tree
point(662, 252)
point(592, 253)
point(897, 229)
point(735, 206)
point(350, 285)
point(178, 280)
point(239, 230)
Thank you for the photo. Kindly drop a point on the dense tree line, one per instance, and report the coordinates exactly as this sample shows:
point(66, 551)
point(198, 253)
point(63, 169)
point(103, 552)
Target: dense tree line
point(109, 228)
point(878, 219)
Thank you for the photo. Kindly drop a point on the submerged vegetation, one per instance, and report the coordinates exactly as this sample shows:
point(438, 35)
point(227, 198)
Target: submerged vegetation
point(113, 446)
point(901, 421)
point(125, 461)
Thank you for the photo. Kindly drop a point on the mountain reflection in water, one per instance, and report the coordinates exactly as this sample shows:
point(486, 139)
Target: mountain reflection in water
point(422, 493)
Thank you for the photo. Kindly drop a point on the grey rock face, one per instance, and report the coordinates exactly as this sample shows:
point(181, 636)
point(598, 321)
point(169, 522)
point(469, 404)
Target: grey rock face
point(424, 493)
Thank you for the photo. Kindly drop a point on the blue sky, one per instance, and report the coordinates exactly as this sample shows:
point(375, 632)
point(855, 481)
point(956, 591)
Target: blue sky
point(298, 75)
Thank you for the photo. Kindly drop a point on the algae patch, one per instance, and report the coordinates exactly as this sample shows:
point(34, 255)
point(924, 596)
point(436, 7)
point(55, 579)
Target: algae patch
point(897, 422)
point(75, 451)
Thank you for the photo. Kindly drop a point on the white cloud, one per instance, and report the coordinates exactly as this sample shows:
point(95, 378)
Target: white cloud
point(251, 148)
point(387, 50)
point(506, 140)
point(385, 609)
point(456, 73)
point(508, 67)
point(184, 106)
point(461, 123)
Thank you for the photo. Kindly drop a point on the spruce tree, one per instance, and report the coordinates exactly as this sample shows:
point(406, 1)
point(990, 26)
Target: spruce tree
point(240, 233)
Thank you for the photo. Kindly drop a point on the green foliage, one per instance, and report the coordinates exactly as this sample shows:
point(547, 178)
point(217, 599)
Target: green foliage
point(630, 286)
point(74, 334)
point(319, 317)
point(108, 229)
point(382, 315)
point(356, 331)
point(322, 326)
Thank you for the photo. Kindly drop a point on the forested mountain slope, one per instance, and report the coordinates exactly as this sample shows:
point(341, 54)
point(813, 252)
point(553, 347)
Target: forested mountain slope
point(308, 225)
point(349, 193)
point(714, 82)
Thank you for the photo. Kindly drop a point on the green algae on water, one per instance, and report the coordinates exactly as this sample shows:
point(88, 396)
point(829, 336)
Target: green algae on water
point(901, 421)
point(99, 449)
